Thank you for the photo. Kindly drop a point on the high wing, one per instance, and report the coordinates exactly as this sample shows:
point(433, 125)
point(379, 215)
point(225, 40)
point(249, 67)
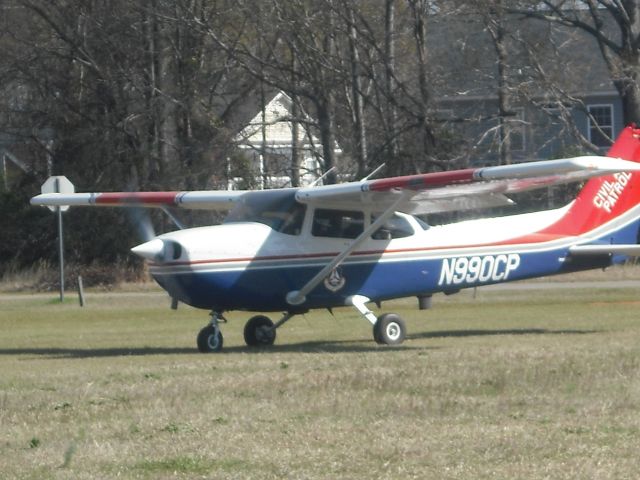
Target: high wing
point(206, 199)
point(462, 189)
point(423, 193)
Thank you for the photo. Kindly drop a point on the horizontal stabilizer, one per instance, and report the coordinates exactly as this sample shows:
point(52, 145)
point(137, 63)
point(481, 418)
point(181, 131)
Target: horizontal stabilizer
point(606, 249)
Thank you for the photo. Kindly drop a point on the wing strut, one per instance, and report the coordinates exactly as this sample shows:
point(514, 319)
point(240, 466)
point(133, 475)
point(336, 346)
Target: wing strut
point(298, 297)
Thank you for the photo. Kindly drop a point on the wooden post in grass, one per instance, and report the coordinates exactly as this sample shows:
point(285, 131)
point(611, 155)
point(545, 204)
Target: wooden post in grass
point(80, 291)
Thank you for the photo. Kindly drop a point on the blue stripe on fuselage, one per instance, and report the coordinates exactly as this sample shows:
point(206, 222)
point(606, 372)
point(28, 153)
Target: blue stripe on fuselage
point(263, 285)
point(264, 289)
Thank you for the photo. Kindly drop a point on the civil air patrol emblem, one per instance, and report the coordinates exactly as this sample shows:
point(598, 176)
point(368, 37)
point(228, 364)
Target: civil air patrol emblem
point(335, 281)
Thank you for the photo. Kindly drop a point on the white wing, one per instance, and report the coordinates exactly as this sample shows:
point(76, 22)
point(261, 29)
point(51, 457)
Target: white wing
point(207, 199)
point(424, 193)
point(463, 189)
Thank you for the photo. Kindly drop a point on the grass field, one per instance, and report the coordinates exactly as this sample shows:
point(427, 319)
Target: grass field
point(511, 384)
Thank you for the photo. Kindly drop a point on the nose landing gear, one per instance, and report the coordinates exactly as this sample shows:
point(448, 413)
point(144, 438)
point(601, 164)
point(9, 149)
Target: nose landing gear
point(259, 331)
point(388, 328)
point(210, 338)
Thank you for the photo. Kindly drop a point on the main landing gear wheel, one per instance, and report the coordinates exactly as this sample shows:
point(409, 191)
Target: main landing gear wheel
point(210, 339)
point(389, 329)
point(259, 332)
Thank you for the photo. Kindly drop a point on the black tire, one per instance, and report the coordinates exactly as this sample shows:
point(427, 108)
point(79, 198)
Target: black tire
point(259, 332)
point(389, 329)
point(208, 341)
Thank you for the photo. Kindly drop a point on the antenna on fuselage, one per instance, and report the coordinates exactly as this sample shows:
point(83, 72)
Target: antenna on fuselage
point(380, 167)
point(324, 175)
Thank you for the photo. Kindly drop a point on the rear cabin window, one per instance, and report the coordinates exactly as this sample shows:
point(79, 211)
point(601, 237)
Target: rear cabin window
point(278, 209)
point(337, 223)
point(395, 227)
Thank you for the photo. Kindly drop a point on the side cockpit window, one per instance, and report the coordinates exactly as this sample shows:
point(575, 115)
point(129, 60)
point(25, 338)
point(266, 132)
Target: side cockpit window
point(337, 223)
point(395, 227)
point(278, 209)
point(293, 220)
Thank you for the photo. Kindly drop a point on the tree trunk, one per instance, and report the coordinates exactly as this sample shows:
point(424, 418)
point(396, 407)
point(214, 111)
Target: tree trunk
point(389, 67)
point(419, 11)
point(324, 109)
point(325, 102)
point(167, 79)
point(360, 136)
point(296, 174)
point(295, 142)
point(153, 167)
point(628, 87)
point(495, 26)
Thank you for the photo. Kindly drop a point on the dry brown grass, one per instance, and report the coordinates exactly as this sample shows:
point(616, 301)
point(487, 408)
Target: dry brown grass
point(531, 384)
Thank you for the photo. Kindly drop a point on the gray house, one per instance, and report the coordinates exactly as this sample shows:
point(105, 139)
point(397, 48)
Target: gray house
point(555, 86)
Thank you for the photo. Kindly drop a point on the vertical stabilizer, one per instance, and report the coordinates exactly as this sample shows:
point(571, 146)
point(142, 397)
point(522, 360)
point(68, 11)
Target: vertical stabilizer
point(603, 199)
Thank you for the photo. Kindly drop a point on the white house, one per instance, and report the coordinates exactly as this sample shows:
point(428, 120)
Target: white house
point(267, 141)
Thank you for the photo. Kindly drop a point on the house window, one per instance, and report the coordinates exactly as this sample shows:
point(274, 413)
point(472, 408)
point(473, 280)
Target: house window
point(600, 124)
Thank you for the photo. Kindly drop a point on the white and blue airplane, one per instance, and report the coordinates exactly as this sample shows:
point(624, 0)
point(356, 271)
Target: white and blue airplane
point(354, 244)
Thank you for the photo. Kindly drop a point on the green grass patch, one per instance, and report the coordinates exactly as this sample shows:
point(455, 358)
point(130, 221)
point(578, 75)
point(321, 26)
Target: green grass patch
point(506, 384)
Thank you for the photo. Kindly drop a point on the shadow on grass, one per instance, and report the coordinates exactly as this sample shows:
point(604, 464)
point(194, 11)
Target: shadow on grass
point(341, 346)
point(52, 352)
point(345, 346)
point(509, 331)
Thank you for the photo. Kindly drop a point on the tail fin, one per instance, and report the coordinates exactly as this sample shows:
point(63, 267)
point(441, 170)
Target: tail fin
point(603, 199)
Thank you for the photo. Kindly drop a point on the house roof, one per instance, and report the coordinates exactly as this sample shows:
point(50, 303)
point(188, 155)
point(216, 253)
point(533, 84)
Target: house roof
point(278, 126)
point(277, 121)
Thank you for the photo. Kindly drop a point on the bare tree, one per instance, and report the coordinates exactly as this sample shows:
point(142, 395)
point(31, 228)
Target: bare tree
point(359, 120)
point(495, 22)
point(389, 75)
point(615, 25)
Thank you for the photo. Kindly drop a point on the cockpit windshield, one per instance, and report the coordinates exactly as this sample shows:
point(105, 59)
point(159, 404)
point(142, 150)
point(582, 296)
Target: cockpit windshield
point(277, 209)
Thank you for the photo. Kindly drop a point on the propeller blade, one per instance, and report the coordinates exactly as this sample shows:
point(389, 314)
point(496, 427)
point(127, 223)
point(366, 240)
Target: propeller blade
point(141, 219)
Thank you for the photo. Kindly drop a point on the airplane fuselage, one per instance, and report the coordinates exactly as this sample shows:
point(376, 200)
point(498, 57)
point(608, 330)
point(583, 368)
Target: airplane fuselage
point(246, 265)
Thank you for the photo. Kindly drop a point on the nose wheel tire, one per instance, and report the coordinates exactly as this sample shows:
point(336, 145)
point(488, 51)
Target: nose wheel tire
point(389, 329)
point(209, 340)
point(259, 332)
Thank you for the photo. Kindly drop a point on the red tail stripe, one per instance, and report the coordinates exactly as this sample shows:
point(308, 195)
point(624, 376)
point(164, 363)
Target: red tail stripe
point(584, 215)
